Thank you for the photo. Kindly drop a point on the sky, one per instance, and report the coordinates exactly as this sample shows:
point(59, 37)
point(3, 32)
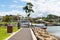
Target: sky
point(41, 7)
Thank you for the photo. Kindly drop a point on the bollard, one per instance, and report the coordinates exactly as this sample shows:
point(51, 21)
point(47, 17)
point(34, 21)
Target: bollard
point(18, 25)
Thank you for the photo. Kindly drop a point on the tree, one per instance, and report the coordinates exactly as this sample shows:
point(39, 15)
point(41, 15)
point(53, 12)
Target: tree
point(7, 18)
point(28, 8)
point(50, 16)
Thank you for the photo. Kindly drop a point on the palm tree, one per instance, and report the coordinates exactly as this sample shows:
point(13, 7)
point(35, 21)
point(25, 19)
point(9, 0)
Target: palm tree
point(28, 8)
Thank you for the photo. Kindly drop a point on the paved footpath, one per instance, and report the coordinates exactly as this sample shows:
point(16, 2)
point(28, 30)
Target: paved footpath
point(23, 34)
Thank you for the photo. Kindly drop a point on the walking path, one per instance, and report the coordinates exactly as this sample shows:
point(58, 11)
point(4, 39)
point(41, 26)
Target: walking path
point(23, 34)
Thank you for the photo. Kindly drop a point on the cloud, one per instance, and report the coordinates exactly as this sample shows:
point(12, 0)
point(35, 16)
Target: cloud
point(27, 0)
point(43, 6)
point(19, 6)
point(13, 12)
point(15, 1)
point(15, 6)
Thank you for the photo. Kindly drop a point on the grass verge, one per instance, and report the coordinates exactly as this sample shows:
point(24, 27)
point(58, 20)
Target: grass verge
point(3, 32)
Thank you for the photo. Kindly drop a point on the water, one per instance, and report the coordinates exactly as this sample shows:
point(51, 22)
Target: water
point(54, 30)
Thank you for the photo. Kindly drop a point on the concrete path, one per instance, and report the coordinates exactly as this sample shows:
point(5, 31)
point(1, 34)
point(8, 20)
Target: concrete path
point(23, 34)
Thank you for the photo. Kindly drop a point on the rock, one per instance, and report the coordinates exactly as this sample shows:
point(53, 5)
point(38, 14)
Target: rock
point(41, 34)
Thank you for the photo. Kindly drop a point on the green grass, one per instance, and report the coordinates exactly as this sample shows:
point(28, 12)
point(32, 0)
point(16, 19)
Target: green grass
point(3, 32)
point(15, 29)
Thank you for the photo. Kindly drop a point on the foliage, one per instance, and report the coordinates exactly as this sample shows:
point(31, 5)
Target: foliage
point(50, 16)
point(8, 18)
point(28, 8)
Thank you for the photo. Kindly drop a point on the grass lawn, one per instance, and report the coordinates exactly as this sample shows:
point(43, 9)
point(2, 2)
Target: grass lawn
point(3, 32)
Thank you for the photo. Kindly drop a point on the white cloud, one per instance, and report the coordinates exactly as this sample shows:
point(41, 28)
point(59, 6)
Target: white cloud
point(19, 6)
point(15, 1)
point(15, 6)
point(41, 8)
point(13, 12)
point(50, 6)
point(27, 0)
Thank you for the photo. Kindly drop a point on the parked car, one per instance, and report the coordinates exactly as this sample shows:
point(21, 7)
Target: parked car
point(25, 23)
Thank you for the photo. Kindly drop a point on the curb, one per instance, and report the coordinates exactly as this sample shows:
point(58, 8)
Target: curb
point(13, 34)
point(33, 36)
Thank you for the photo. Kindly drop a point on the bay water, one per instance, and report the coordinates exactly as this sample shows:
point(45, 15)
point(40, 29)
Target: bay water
point(54, 30)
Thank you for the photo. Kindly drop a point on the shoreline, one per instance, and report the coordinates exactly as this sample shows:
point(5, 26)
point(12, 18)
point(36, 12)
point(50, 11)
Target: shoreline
point(42, 34)
point(54, 30)
point(57, 37)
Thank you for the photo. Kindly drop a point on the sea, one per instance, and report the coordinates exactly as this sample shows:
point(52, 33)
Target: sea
point(54, 30)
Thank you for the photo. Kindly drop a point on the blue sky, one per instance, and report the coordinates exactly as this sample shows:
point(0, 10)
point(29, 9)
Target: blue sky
point(41, 7)
point(11, 7)
point(8, 5)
